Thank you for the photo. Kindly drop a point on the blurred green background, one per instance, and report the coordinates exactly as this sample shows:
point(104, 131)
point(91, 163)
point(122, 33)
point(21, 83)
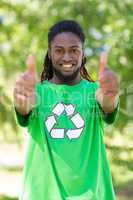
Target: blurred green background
point(108, 26)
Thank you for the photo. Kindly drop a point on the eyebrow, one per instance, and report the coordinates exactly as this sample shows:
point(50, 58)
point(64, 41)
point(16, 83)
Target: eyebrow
point(73, 46)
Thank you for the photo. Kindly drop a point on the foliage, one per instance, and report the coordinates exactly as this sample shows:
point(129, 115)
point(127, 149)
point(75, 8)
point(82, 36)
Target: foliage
point(7, 198)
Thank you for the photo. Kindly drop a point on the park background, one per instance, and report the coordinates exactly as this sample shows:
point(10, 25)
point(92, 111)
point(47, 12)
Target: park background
point(108, 26)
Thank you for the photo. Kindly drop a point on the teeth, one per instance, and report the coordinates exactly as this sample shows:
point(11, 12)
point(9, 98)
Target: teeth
point(67, 65)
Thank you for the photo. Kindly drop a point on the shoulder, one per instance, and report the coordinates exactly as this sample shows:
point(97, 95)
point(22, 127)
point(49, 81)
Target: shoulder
point(93, 86)
point(39, 86)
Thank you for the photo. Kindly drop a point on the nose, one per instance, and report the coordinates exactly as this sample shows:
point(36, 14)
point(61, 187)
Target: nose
point(66, 57)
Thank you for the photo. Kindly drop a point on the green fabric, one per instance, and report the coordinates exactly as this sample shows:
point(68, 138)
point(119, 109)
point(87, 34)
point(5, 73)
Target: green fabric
point(109, 118)
point(66, 159)
point(22, 120)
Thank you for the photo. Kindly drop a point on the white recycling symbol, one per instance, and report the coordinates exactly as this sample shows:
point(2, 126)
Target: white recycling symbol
point(77, 120)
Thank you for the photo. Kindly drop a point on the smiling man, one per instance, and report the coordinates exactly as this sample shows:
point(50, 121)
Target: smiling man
point(66, 53)
point(65, 113)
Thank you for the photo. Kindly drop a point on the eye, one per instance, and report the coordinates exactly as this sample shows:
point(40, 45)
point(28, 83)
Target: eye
point(75, 51)
point(58, 51)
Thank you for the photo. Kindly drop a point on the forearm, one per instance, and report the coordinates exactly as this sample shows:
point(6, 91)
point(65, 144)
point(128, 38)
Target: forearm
point(23, 120)
point(107, 101)
point(108, 105)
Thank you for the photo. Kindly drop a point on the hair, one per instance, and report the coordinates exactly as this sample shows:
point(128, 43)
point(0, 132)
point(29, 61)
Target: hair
point(64, 26)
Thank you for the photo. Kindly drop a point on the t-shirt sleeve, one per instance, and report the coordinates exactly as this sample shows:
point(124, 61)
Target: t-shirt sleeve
point(109, 118)
point(22, 120)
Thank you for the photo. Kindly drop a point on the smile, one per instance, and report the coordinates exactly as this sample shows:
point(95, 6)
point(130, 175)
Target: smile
point(67, 66)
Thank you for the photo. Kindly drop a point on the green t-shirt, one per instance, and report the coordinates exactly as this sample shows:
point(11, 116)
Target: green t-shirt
point(66, 158)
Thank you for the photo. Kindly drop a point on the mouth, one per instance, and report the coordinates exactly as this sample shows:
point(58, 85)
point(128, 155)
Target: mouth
point(67, 67)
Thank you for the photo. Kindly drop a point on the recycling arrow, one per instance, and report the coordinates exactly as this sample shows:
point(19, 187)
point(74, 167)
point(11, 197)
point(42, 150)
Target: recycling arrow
point(50, 122)
point(69, 110)
point(74, 133)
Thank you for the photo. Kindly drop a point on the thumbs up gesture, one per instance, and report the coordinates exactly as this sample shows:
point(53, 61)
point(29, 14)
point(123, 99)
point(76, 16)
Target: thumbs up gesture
point(24, 90)
point(108, 92)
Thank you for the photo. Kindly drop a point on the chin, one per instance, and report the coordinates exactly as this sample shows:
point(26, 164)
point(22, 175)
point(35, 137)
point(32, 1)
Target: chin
point(67, 76)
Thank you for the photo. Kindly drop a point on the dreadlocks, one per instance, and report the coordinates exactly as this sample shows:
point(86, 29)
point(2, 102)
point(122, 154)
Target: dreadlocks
point(63, 26)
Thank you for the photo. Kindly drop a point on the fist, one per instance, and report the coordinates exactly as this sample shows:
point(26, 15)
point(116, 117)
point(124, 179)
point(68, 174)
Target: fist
point(24, 90)
point(108, 93)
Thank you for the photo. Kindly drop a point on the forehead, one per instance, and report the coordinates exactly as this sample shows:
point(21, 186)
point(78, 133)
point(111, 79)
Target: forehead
point(66, 39)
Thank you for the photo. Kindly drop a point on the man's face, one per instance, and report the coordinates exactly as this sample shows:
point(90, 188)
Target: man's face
point(66, 53)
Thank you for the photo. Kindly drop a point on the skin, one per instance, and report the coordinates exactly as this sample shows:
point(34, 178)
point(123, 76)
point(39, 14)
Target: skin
point(65, 48)
point(24, 89)
point(108, 93)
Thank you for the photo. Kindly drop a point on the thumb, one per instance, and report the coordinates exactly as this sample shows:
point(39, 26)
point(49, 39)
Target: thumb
point(103, 62)
point(31, 64)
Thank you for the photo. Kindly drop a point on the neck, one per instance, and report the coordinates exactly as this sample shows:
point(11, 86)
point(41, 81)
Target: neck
point(56, 80)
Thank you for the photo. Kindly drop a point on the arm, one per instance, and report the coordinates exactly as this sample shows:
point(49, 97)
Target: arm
point(109, 117)
point(23, 120)
point(24, 93)
point(107, 95)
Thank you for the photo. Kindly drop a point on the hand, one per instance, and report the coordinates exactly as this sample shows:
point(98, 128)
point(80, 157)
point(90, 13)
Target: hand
point(108, 93)
point(24, 90)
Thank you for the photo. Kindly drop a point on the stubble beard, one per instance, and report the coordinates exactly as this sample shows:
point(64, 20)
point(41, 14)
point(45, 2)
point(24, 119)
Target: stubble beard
point(66, 78)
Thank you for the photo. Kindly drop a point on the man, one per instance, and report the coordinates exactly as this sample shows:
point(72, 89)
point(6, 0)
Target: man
point(64, 114)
